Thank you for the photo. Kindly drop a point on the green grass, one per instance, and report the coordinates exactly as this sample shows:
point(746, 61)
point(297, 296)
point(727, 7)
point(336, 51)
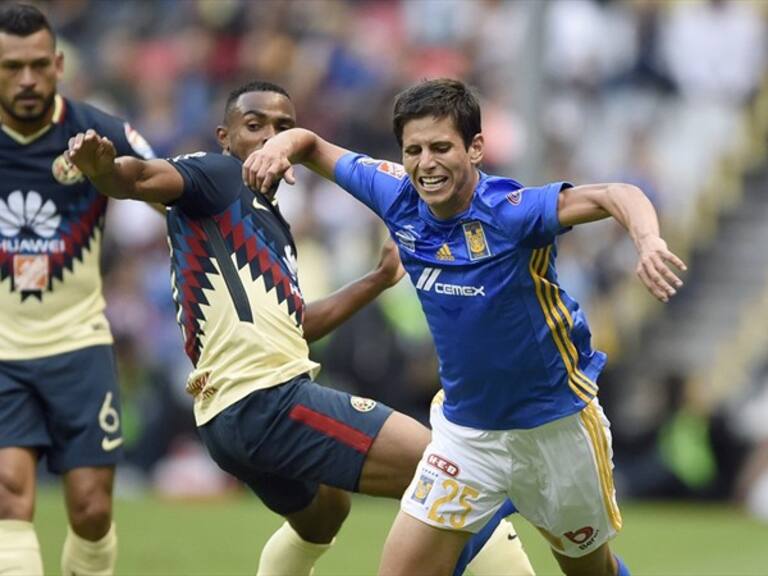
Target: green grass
point(224, 537)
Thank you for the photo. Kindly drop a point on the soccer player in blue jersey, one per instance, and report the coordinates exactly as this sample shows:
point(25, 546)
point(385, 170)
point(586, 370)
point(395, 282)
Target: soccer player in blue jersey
point(299, 446)
point(58, 392)
point(520, 416)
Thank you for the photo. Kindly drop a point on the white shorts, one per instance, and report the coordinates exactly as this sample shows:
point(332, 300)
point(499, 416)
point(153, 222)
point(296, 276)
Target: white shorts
point(558, 475)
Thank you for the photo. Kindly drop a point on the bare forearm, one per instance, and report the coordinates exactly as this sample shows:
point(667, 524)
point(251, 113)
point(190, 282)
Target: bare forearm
point(633, 210)
point(120, 182)
point(324, 316)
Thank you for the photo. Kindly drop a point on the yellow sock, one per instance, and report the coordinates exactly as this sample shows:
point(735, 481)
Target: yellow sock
point(287, 554)
point(502, 555)
point(82, 557)
point(19, 549)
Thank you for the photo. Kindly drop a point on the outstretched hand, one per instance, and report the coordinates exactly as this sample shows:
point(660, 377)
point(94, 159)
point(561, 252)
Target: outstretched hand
point(653, 268)
point(390, 267)
point(264, 168)
point(93, 154)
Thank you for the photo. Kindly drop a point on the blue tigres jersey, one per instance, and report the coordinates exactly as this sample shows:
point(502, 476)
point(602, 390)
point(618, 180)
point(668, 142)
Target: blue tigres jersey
point(234, 276)
point(514, 349)
point(51, 222)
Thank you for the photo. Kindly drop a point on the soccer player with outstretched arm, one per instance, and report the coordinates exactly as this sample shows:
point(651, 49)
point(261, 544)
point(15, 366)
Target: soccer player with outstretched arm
point(519, 417)
point(299, 446)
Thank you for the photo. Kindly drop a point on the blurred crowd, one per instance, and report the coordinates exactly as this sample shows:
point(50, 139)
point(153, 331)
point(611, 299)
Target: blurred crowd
point(647, 92)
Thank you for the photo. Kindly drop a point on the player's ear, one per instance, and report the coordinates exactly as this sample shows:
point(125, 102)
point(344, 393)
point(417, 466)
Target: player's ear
point(476, 149)
point(58, 63)
point(222, 135)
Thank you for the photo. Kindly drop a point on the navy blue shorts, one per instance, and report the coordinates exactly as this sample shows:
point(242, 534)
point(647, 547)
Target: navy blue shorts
point(67, 406)
point(283, 442)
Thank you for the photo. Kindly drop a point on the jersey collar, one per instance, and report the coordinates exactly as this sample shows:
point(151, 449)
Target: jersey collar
point(59, 107)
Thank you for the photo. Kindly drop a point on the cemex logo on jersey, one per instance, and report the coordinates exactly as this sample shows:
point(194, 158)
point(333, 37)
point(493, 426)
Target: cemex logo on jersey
point(427, 282)
point(443, 465)
point(584, 537)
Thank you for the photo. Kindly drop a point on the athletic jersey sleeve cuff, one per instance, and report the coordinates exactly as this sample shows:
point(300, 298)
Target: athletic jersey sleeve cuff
point(183, 200)
point(551, 221)
point(342, 172)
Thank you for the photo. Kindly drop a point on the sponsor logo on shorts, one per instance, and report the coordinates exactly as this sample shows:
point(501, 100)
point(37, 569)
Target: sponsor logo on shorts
point(423, 488)
point(584, 537)
point(443, 465)
point(109, 444)
point(362, 404)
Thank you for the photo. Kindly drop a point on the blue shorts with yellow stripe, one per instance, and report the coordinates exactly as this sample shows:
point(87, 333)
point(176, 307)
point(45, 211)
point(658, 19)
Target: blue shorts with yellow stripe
point(283, 442)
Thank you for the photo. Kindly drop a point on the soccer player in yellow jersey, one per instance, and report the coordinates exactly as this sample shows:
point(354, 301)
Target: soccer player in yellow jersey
point(299, 446)
point(58, 391)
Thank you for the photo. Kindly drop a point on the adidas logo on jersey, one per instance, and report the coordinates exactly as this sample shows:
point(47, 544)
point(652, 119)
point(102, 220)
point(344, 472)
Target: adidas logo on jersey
point(444, 253)
point(428, 282)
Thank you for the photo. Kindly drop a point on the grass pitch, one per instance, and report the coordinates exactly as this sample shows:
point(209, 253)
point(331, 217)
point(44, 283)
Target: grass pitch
point(224, 537)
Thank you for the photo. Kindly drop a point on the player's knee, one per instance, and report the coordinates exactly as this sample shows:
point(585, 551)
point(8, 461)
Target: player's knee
point(321, 521)
point(91, 515)
point(17, 498)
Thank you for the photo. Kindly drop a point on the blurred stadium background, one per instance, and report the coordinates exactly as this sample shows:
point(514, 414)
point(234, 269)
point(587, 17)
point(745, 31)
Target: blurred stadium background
point(672, 96)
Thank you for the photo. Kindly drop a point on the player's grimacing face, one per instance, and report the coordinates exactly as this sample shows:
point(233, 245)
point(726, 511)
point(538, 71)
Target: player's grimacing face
point(441, 168)
point(256, 118)
point(29, 72)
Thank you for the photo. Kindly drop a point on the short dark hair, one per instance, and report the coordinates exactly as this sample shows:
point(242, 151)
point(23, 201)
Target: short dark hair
point(441, 98)
point(253, 86)
point(23, 20)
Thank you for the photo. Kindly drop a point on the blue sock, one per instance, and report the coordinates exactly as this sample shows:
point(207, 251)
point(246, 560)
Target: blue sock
point(623, 570)
point(478, 540)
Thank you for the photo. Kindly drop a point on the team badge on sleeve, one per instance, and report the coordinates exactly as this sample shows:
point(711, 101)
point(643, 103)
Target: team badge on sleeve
point(515, 197)
point(477, 246)
point(362, 404)
point(392, 169)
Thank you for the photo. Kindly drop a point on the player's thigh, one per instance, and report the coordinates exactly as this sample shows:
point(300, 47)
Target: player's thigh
point(599, 562)
point(22, 412)
point(413, 547)
point(393, 457)
point(82, 402)
point(562, 481)
point(17, 483)
point(461, 479)
point(300, 431)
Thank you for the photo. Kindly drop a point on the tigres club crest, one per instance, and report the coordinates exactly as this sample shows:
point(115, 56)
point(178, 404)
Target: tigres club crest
point(362, 404)
point(477, 246)
point(65, 172)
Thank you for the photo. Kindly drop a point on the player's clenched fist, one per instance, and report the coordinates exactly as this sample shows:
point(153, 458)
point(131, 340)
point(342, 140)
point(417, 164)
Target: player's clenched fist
point(93, 154)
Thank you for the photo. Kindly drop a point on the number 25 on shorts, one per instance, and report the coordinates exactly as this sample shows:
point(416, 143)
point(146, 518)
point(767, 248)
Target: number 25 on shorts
point(456, 519)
